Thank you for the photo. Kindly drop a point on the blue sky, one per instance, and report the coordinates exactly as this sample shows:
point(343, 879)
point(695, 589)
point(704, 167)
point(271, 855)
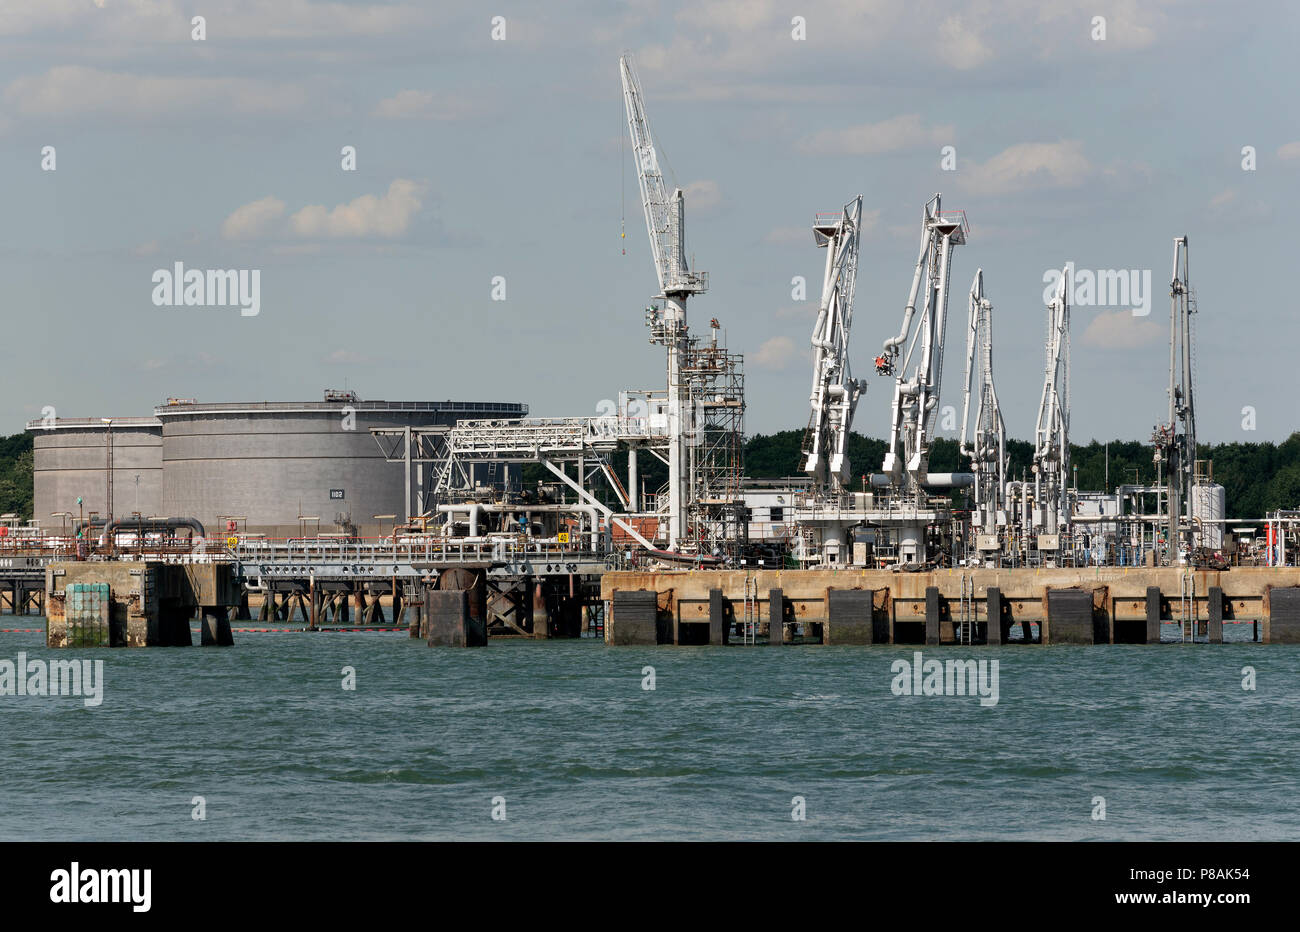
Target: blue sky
point(479, 158)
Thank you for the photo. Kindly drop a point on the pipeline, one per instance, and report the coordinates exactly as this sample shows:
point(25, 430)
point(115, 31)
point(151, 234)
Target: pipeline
point(142, 525)
point(934, 480)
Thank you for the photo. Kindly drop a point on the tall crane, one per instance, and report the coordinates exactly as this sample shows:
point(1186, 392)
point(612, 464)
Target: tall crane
point(665, 220)
point(915, 397)
point(988, 448)
point(835, 392)
point(1051, 461)
point(1175, 440)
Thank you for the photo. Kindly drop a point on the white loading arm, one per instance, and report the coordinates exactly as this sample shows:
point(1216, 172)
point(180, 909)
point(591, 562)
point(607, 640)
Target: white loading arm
point(1181, 402)
point(1052, 433)
point(915, 398)
point(835, 392)
point(988, 449)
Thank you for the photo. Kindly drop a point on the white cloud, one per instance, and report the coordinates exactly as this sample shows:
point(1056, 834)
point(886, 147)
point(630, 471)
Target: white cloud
point(1289, 151)
point(167, 20)
point(1224, 198)
point(253, 220)
point(387, 215)
point(807, 309)
point(789, 236)
point(1228, 206)
point(702, 196)
point(1027, 166)
point(423, 105)
point(733, 15)
point(776, 353)
point(1120, 330)
point(73, 90)
point(892, 135)
point(961, 46)
point(732, 49)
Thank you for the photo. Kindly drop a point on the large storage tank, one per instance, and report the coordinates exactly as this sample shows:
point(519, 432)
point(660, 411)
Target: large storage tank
point(1209, 506)
point(70, 459)
point(267, 464)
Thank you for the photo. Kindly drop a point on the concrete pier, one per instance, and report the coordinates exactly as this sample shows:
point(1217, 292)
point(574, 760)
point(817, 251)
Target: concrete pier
point(144, 603)
point(450, 619)
point(1093, 605)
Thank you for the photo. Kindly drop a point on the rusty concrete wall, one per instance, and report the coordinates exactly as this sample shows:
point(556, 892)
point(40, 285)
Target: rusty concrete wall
point(150, 602)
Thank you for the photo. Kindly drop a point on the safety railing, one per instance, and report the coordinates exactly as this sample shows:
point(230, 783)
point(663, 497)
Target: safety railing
point(378, 551)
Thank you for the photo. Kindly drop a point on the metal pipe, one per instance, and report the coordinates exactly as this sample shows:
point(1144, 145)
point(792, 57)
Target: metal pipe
point(934, 480)
point(142, 525)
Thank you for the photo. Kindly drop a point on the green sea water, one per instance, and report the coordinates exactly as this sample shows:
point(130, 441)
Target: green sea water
point(562, 740)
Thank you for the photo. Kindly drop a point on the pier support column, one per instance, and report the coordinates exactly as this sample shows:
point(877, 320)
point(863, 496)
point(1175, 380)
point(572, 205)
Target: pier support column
point(214, 627)
point(450, 621)
point(775, 617)
point(570, 611)
point(719, 618)
point(931, 615)
point(1069, 617)
point(996, 634)
point(1153, 615)
point(539, 610)
point(242, 613)
point(1214, 609)
point(1282, 622)
point(850, 616)
point(634, 618)
point(411, 606)
point(171, 628)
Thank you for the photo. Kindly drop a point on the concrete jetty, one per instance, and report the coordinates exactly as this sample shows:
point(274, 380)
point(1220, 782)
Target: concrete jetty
point(144, 603)
point(1090, 605)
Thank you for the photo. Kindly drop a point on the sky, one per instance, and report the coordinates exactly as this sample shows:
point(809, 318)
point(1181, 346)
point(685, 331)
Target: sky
point(491, 162)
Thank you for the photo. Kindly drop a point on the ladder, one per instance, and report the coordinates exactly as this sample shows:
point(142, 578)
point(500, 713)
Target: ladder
point(966, 619)
point(1187, 602)
point(749, 631)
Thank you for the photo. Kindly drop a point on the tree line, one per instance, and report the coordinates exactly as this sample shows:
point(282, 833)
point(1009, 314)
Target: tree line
point(1257, 477)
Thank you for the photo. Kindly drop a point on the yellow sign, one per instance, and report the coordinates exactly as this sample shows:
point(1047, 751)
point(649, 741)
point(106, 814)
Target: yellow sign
point(232, 542)
point(563, 537)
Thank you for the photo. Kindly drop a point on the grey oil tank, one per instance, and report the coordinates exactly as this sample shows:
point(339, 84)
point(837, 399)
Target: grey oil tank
point(1208, 507)
point(270, 464)
point(70, 461)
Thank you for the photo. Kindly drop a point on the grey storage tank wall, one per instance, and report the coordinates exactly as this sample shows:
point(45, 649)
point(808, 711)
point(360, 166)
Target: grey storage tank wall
point(70, 459)
point(271, 462)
